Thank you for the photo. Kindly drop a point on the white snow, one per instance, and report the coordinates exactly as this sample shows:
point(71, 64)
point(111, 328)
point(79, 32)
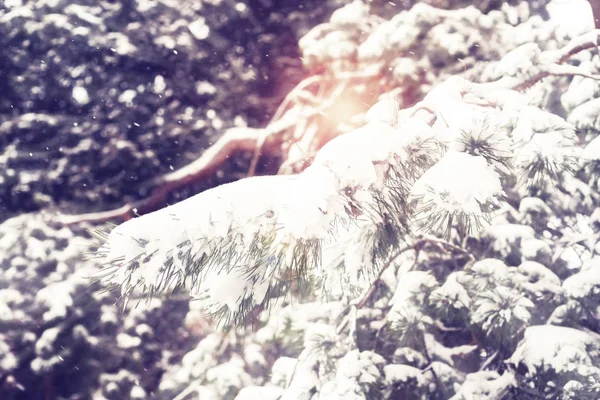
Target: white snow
point(395, 373)
point(354, 371)
point(259, 392)
point(581, 89)
point(13, 3)
point(411, 289)
point(205, 87)
point(8, 361)
point(585, 116)
point(293, 208)
point(229, 376)
point(538, 279)
point(122, 45)
point(553, 147)
point(459, 182)
point(301, 387)
point(492, 269)
point(351, 14)
point(45, 343)
point(592, 150)
point(571, 258)
point(484, 385)
point(138, 392)
point(305, 377)
point(535, 249)
point(518, 62)
point(351, 167)
point(533, 120)
point(572, 17)
point(484, 127)
point(534, 205)
point(199, 29)
point(127, 96)
point(350, 156)
point(83, 13)
point(282, 371)
point(125, 341)
point(385, 111)
point(543, 347)
point(584, 284)
point(505, 236)
point(80, 95)
point(453, 292)
point(159, 84)
point(10, 299)
point(309, 206)
point(57, 297)
point(225, 288)
point(316, 335)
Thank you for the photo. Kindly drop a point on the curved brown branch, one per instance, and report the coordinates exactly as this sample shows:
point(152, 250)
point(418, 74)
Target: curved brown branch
point(586, 41)
point(233, 140)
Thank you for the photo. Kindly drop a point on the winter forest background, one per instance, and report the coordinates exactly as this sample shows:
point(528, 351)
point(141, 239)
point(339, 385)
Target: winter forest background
point(433, 231)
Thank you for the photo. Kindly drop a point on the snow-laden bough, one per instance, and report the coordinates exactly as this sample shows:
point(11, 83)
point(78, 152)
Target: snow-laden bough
point(240, 245)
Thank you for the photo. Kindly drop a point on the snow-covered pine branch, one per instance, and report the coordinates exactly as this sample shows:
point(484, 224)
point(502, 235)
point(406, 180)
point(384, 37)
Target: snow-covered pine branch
point(233, 245)
point(435, 167)
point(358, 224)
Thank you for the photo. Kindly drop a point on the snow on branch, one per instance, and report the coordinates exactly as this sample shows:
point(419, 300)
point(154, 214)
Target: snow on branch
point(437, 167)
point(236, 245)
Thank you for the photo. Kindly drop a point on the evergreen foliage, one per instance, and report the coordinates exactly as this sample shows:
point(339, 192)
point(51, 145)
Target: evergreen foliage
point(455, 239)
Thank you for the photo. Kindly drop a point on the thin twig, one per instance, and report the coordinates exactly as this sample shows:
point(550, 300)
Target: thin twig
point(415, 246)
point(448, 245)
point(368, 295)
point(489, 360)
point(393, 258)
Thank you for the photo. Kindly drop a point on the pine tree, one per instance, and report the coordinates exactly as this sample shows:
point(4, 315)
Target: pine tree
point(458, 235)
